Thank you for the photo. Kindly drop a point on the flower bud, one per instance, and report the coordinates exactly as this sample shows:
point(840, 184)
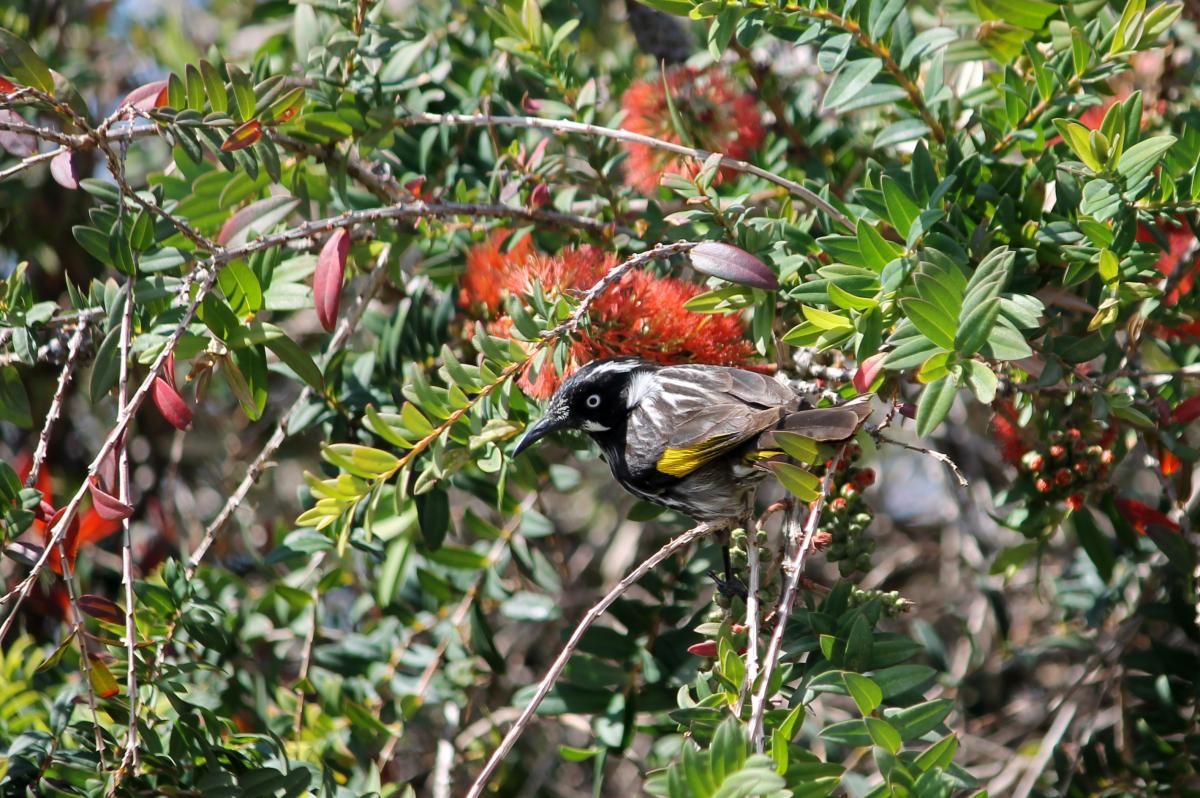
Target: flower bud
point(1058, 451)
point(1075, 501)
point(1043, 485)
point(1063, 477)
point(1033, 462)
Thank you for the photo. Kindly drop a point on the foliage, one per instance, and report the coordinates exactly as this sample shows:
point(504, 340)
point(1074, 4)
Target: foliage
point(361, 241)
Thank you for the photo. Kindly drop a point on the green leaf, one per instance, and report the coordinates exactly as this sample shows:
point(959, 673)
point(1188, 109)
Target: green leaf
point(938, 755)
point(975, 328)
point(1110, 266)
point(24, 64)
point(900, 679)
point(900, 132)
point(214, 86)
point(902, 210)
point(1006, 343)
point(106, 368)
point(849, 81)
point(1132, 11)
point(1098, 547)
point(361, 461)
point(243, 92)
point(433, 517)
point(297, 359)
point(14, 404)
point(825, 320)
point(883, 735)
point(1028, 14)
point(241, 287)
point(866, 693)
point(921, 719)
point(847, 301)
point(981, 380)
point(934, 404)
point(859, 644)
point(455, 557)
point(797, 446)
point(1137, 161)
point(1078, 138)
point(800, 483)
point(876, 250)
point(933, 323)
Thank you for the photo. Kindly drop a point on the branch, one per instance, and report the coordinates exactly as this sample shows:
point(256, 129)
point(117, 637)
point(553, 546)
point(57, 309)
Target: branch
point(564, 656)
point(940, 457)
point(751, 614)
point(566, 126)
point(793, 566)
point(64, 377)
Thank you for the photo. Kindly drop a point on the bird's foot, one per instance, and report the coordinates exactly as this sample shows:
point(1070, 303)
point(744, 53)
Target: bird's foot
point(731, 587)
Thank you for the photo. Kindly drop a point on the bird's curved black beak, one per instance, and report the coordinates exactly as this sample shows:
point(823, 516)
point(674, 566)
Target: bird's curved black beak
point(548, 423)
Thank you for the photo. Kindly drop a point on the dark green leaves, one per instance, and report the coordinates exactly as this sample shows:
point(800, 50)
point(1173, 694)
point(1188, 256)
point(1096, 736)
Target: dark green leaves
point(935, 403)
point(852, 79)
point(24, 64)
point(14, 404)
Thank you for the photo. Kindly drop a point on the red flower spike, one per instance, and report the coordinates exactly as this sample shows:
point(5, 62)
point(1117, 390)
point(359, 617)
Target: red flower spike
point(1187, 411)
point(1140, 516)
point(171, 404)
point(327, 279)
point(1169, 464)
point(243, 136)
point(868, 370)
point(722, 118)
point(63, 170)
point(107, 506)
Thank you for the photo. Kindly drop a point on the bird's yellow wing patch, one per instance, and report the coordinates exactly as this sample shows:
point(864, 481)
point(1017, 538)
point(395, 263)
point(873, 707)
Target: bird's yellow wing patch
point(683, 461)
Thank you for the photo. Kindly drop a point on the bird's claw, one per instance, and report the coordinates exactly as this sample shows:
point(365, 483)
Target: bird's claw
point(731, 587)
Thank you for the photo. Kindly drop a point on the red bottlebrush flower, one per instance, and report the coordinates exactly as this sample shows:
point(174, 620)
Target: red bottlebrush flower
point(642, 316)
point(865, 478)
point(1075, 502)
point(1187, 411)
point(1006, 433)
point(717, 115)
point(1168, 463)
point(1140, 516)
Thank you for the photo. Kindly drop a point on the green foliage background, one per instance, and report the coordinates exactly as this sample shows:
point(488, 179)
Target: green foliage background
point(377, 606)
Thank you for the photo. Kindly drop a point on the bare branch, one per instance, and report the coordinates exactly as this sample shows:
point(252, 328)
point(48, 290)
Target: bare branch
point(567, 126)
point(56, 404)
point(939, 456)
point(560, 662)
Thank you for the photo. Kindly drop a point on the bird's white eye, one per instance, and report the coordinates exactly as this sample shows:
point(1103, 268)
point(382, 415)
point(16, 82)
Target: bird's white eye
point(593, 401)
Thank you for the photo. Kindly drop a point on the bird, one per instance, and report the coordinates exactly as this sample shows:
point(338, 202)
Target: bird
point(696, 439)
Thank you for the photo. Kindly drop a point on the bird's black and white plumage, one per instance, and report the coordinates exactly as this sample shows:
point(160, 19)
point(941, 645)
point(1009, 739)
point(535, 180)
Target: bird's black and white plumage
point(687, 437)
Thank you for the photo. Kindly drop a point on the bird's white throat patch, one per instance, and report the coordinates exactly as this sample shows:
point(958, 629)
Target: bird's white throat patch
point(593, 426)
point(641, 385)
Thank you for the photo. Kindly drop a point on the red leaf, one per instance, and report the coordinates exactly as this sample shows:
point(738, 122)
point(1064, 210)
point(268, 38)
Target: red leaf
point(1141, 515)
point(171, 404)
point(266, 213)
point(1168, 463)
point(327, 279)
point(93, 528)
point(7, 86)
point(148, 96)
point(101, 608)
point(70, 541)
point(415, 185)
point(107, 470)
point(1187, 411)
point(730, 263)
point(102, 679)
point(539, 197)
point(106, 505)
point(25, 553)
point(706, 649)
point(868, 370)
point(64, 171)
point(243, 136)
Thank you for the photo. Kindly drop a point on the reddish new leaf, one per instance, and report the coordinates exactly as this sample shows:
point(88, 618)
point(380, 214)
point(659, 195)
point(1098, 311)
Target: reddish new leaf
point(868, 370)
point(415, 186)
point(146, 97)
point(1168, 463)
point(102, 609)
point(69, 542)
point(25, 553)
point(731, 263)
point(102, 679)
point(171, 404)
point(1140, 516)
point(7, 86)
point(106, 505)
point(1187, 411)
point(243, 136)
point(64, 171)
point(327, 279)
point(260, 215)
point(708, 649)
point(539, 197)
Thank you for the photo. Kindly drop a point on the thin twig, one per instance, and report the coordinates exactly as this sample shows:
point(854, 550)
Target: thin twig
point(1062, 722)
point(85, 658)
point(560, 662)
point(56, 404)
point(794, 569)
point(751, 613)
point(567, 126)
point(310, 641)
point(936, 455)
point(129, 759)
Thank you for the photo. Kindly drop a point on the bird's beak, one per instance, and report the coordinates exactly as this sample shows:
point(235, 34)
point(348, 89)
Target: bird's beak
point(544, 426)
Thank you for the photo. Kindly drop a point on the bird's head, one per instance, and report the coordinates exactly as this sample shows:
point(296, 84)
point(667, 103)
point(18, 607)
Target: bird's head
point(593, 399)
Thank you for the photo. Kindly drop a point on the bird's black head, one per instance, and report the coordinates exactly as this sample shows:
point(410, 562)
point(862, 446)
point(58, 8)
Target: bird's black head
point(593, 399)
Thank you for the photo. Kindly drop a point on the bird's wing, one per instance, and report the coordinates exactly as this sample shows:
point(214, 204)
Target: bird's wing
point(686, 416)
